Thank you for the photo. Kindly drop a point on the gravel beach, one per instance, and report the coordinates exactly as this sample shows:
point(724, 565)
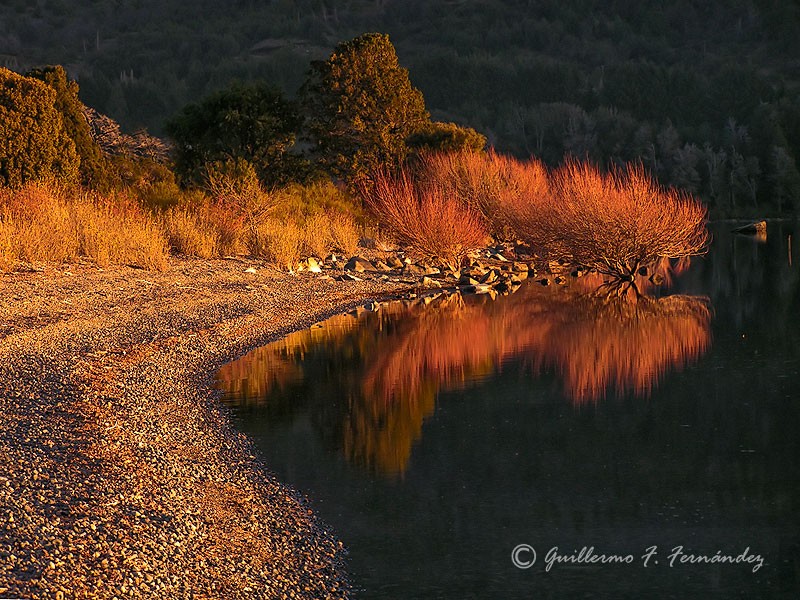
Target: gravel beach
point(120, 473)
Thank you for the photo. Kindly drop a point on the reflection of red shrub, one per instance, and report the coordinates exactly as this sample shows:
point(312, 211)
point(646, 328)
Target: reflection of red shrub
point(594, 344)
point(625, 347)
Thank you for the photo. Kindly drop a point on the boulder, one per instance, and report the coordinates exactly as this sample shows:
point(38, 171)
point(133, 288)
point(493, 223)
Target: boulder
point(450, 274)
point(414, 270)
point(359, 264)
point(520, 267)
point(382, 266)
point(753, 228)
point(502, 287)
point(490, 277)
point(430, 270)
point(394, 262)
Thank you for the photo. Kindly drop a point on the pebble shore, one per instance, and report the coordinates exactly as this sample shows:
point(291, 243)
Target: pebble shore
point(121, 475)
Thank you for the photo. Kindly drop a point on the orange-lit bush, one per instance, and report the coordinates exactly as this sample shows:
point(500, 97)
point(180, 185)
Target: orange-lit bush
point(424, 217)
point(615, 222)
point(488, 182)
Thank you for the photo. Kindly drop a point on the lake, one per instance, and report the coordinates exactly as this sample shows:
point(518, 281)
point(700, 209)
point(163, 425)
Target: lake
point(617, 449)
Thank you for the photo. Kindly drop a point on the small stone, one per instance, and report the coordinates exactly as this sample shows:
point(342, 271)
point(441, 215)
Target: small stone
point(415, 270)
point(519, 267)
point(382, 266)
point(313, 265)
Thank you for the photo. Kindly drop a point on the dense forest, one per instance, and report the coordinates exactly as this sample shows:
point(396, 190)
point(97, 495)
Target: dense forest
point(705, 94)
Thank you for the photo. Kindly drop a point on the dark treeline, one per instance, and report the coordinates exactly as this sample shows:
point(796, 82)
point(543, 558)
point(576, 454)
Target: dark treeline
point(705, 94)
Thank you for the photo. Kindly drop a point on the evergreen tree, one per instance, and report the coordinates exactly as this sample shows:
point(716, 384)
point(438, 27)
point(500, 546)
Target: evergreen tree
point(34, 143)
point(94, 167)
point(361, 108)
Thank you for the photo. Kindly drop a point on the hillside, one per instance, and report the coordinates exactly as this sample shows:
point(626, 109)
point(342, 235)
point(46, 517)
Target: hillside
point(705, 94)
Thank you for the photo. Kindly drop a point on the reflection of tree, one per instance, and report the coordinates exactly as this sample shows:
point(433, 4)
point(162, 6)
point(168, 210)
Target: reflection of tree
point(370, 387)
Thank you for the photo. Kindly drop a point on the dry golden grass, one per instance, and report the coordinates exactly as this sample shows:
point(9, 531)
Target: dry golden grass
point(317, 237)
point(190, 234)
point(207, 229)
point(344, 233)
point(48, 223)
point(280, 242)
point(425, 217)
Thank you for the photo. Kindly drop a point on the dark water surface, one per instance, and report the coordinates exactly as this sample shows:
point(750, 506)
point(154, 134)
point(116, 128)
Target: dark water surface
point(436, 439)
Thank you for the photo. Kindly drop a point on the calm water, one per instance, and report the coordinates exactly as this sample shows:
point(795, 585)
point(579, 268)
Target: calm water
point(434, 440)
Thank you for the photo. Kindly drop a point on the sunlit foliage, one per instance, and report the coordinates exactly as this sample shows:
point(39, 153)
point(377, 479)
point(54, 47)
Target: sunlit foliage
point(425, 217)
point(615, 222)
point(361, 107)
point(41, 222)
point(34, 143)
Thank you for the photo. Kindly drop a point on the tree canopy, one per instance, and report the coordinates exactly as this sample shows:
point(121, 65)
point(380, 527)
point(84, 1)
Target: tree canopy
point(361, 107)
point(252, 122)
point(94, 167)
point(445, 137)
point(34, 144)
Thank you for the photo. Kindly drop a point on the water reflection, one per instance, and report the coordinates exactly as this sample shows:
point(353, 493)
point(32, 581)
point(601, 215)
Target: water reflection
point(370, 379)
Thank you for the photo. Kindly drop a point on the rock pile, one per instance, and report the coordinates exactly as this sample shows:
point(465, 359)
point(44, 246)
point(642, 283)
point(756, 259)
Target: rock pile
point(495, 271)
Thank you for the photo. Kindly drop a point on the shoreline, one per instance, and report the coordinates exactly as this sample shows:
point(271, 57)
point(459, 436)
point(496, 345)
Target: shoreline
point(122, 473)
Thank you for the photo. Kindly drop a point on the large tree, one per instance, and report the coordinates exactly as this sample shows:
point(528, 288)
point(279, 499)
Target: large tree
point(252, 122)
point(33, 141)
point(361, 108)
point(94, 166)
